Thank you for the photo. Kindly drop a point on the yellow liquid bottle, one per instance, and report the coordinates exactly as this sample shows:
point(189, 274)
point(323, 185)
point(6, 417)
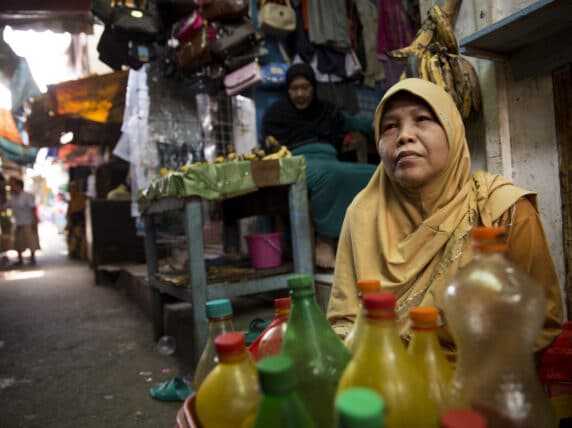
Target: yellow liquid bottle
point(427, 354)
point(364, 287)
point(382, 363)
point(229, 396)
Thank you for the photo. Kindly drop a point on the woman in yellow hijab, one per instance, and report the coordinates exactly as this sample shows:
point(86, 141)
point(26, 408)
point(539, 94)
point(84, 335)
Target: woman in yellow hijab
point(410, 226)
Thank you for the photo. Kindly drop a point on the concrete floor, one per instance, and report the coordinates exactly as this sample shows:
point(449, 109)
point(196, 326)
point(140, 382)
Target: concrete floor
point(73, 354)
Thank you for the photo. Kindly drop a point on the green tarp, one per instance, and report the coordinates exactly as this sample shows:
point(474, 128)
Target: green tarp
point(216, 181)
point(17, 153)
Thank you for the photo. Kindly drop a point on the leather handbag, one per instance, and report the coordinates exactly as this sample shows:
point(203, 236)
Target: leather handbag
point(277, 19)
point(184, 29)
point(195, 53)
point(240, 40)
point(242, 78)
point(274, 74)
point(234, 62)
point(137, 23)
point(225, 10)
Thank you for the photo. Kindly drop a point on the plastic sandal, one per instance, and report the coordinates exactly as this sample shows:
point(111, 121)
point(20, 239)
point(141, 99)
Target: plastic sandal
point(175, 389)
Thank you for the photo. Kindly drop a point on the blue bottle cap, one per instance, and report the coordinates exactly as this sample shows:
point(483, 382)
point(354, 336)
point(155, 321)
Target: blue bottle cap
point(219, 308)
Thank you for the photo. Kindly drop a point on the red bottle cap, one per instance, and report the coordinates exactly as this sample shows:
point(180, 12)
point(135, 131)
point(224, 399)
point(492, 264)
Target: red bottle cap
point(462, 418)
point(282, 303)
point(381, 300)
point(229, 343)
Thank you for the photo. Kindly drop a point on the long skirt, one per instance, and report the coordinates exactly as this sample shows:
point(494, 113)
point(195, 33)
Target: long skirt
point(332, 185)
point(26, 237)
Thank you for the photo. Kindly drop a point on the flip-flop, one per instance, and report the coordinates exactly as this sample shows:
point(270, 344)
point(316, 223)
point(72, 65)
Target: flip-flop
point(255, 327)
point(175, 389)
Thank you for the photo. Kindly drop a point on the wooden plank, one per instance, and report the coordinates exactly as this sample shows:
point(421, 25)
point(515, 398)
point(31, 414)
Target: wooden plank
point(562, 83)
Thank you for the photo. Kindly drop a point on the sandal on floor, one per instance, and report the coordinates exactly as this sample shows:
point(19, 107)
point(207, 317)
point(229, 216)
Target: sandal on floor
point(256, 326)
point(175, 389)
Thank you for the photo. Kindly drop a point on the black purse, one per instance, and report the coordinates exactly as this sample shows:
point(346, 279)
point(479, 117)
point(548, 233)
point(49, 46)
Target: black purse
point(239, 40)
point(141, 24)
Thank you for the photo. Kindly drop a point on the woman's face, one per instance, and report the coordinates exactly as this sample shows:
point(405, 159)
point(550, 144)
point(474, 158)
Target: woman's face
point(413, 145)
point(301, 92)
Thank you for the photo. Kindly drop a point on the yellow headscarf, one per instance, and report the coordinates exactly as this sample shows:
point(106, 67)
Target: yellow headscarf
point(414, 242)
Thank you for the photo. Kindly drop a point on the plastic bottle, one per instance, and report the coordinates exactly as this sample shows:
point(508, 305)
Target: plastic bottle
point(270, 341)
point(495, 312)
point(280, 406)
point(462, 418)
point(319, 356)
point(364, 286)
point(219, 313)
point(229, 396)
point(382, 363)
point(359, 408)
point(427, 354)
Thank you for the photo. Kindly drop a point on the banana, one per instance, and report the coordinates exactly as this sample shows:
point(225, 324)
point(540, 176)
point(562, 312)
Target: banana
point(282, 153)
point(470, 75)
point(232, 157)
point(444, 29)
point(448, 77)
point(219, 159)
point(249, 156)
point(457, 71)
point(424, 65)
point(436, 71)
point(467, 99)
point(421, 41)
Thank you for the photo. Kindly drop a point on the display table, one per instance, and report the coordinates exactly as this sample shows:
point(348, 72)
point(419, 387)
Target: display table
point(244, 188)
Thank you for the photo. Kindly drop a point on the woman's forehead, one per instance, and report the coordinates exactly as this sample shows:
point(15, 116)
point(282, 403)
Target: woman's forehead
point(300, 80)
point(404, 98)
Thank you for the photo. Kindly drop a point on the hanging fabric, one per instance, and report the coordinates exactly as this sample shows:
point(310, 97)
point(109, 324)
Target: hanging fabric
point(327, 24)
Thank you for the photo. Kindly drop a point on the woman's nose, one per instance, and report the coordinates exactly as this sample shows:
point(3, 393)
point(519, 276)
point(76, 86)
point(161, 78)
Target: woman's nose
point(405, 134)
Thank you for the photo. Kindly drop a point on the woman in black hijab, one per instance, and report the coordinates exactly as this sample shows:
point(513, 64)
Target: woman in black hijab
point(314, 129)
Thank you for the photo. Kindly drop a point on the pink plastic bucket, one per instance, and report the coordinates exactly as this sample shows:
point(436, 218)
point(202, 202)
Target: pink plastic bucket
point(264, 250)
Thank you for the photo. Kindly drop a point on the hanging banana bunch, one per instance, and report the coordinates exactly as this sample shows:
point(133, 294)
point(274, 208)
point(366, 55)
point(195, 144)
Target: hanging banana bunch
point(437, 59)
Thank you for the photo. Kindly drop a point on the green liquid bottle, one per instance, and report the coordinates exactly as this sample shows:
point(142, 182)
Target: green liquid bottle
point(359, 408)
point(280, 406)
point(318, 355)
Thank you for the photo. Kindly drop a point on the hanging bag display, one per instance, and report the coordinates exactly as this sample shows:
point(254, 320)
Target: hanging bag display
point(242, 78)
point(240, 40)
point(184, 29)
point(137, 23)
point(225, 10)
point(195, 53)
point(277, 19)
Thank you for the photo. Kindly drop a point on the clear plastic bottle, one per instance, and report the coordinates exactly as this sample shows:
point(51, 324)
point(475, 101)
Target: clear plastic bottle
point(382, 363)
point(271, 339)
point(495, 312)
point(280, 406)
point(229, 396)
point(427, 354)
point(219, 313)
point(319, 356)
point(462, 418)
point(359, 408)
point(364, 286)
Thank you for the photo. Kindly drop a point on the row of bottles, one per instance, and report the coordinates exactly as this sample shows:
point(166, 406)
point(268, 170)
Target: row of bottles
point(315, 377)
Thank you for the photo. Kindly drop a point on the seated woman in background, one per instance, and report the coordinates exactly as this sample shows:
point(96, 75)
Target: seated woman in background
point(310, 127)
point(410, 227)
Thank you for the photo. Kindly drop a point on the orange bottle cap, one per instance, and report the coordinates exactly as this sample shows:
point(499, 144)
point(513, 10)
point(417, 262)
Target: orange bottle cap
point(283, 302)
point(424, 316)
point(368, 285)
point(490, 238)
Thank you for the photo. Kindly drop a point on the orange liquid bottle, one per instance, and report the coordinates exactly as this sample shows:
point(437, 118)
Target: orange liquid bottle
point(364, 287)
point(427, 354)
point(229, 396)
point(382, 363)
point(271, 338)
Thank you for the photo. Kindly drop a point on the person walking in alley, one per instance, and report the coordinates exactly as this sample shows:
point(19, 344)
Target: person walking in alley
point(22, 205)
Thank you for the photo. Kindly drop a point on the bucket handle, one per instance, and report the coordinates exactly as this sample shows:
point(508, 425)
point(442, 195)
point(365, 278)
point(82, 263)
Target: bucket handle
point(273, 245)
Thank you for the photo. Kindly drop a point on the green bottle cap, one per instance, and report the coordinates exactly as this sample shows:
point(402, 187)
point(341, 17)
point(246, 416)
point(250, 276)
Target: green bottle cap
point(300, 281)
point(219, 308)
point(360, 407)
point(276, 374)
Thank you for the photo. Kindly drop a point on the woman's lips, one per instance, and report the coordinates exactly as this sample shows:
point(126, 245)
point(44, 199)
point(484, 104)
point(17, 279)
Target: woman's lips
point(406, 155)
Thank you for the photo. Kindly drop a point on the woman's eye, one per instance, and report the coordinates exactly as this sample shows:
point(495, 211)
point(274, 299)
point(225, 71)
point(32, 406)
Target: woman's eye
point(389, 126)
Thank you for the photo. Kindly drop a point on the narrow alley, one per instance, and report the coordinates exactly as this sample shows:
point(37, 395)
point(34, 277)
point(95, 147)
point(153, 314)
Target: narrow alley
point(75, 354)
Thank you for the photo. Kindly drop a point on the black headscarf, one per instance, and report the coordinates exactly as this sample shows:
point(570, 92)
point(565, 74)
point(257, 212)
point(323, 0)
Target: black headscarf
point(319, 122)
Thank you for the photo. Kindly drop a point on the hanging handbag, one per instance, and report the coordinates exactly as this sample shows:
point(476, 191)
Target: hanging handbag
point(225, 10)
point(240, 40)
point(184, 29)
point(274, 74)
point(277, 19)
point(195, 53)
point(242, 78)
point(136, 23)
point(234, 62)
